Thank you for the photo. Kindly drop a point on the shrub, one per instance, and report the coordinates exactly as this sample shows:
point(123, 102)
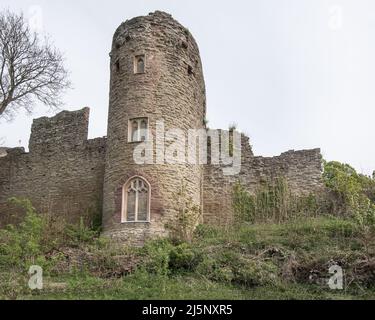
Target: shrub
point(210, 268)
point(232, 266)
point(354, 193)
point(38, 239)
point(344, 182)
point(255, 273)
point(164, 258)
point(80, 233)
point(22, 245)
point(157, 254)
point(183, 257)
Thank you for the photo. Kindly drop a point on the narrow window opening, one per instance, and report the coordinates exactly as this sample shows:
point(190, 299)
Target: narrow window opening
point(139, 64)
point(190, 70)
point(184, 44)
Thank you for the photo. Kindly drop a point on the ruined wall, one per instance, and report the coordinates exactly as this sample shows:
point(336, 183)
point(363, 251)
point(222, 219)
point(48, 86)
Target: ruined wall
point(63, 172)
point(3, 152)
point(302, 170)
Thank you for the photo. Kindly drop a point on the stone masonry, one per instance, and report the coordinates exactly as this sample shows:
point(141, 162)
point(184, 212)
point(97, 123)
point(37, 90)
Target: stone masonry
point(63, 172)
point(66, 174)
point(172, 89)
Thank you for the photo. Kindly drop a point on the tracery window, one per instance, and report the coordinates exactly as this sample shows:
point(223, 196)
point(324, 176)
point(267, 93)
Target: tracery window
point(136, 201)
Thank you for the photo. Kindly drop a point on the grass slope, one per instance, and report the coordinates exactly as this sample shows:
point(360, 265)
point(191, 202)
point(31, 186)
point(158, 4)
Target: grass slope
point(261, 261)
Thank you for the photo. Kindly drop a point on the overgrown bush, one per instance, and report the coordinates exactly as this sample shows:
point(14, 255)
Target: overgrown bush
point(273, 201)
point(21, 246)
point(162, 257)
point(80, 233)
point(256, 273)
point(37, 237)
point(349, 194)
point(233, 267)
point(353, 194)
point(184, 258)
point(156, 256)
point(212, 269)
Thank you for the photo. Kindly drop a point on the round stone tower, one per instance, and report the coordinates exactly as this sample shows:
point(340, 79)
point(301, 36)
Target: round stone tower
point(156, 85)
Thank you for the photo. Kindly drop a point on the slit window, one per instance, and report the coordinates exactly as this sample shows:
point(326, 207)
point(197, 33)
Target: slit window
point(117, 65)
point(139, 64)
point(190, 70)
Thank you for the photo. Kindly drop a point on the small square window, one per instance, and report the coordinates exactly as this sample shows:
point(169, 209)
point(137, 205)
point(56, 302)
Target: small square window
point(139, 64)
point(138, 130)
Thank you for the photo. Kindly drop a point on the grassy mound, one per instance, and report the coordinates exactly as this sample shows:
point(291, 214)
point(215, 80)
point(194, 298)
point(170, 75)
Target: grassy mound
point(263, 261)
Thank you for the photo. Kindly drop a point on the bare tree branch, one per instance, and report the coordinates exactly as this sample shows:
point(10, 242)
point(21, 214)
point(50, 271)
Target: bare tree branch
point(30, 71)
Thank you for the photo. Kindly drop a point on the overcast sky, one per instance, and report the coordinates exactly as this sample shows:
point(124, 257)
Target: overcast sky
point(293, 74)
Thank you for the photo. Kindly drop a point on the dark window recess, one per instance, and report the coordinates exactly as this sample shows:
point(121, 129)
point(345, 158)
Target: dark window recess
point(117, 65)
point(184, 44)
point(190, 70)
point(139, 64)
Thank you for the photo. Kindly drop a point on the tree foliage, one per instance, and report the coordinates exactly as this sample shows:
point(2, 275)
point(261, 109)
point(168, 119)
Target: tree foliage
point(355, 192)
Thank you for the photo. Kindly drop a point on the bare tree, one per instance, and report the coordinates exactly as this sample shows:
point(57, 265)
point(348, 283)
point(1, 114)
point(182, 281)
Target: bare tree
point(31, 70)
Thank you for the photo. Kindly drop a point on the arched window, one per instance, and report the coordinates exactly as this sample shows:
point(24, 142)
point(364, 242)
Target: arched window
point(139, 64)
point(136, 201)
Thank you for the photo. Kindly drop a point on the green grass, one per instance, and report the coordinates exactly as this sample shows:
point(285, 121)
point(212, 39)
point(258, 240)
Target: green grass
point(150, 287)
point(260, 261)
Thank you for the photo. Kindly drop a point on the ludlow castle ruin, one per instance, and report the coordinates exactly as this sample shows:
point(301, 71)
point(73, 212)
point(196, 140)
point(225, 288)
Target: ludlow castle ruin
point(156, 74)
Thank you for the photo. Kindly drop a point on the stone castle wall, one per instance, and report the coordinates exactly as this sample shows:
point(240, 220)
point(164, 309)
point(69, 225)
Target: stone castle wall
point(301, 169)
point(62, 173)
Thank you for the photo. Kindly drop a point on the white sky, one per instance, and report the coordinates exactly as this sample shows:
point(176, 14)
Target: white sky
point(293, 74)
